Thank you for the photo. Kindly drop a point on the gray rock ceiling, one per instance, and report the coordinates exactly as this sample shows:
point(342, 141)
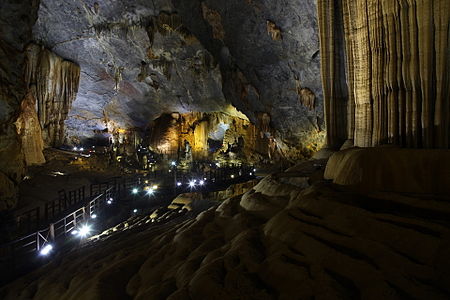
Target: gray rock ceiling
point(135, 66)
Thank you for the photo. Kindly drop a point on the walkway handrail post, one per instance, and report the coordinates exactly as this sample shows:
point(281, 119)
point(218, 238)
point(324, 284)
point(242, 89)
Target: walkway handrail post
point(51, 232)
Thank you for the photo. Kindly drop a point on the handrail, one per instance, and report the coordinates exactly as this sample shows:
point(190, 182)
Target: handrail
point(53, 231)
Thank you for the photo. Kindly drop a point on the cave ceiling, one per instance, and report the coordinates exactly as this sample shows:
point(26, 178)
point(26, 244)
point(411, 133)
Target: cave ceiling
point(142, 58)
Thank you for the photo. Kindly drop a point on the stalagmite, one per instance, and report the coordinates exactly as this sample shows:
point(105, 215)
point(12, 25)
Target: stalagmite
point(29, 131)
point(56, 82)
point(397, 66)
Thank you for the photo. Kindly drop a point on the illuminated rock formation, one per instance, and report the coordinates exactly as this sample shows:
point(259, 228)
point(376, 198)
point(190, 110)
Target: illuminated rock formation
point(210, 135)
point(29, 130)
point(385, 66)
point(56, 84)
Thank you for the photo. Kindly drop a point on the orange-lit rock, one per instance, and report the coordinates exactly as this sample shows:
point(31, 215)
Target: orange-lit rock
point(29, 130)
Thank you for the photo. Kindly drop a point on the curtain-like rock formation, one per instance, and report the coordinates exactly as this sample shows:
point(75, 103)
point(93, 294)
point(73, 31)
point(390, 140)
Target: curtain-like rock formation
point(385, 71)
point(56, 82)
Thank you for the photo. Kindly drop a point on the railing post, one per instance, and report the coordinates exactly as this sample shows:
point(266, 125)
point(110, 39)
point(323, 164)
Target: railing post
point(37, 241)
point(51, 232)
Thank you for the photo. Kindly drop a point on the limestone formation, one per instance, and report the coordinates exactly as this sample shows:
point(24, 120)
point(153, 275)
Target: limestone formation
point(16, 19)
point(210, 134)
point(415, 171)
point(385, 66)
point(56, 84)
point(273, 31)
point(29, 130)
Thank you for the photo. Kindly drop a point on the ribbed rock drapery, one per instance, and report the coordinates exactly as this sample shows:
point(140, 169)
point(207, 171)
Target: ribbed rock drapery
point(394, 55)
point(56, 84)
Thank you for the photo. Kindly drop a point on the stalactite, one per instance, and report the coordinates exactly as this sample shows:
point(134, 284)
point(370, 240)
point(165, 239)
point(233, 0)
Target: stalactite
point(56, 82)
point(397, 71)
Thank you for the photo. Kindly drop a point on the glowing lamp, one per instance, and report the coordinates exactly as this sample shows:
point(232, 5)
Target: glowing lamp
point(109, 201)
point(135, 210)
point(94, 216)
point(232, 176)
point(202, 182)
point(135, 191)
point(75, 149)
point(191, 184)
point(173, 163)
point(81, 149)
point(84, 230)
point(46, 250)
point(178, 183)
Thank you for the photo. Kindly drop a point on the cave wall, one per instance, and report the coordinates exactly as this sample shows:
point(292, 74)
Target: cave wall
point(54, 84)
point(385, 71)
point(269, 59)
point(16, 20)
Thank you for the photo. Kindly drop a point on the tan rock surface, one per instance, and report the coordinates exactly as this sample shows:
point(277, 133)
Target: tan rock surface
point(385, 71)
point(392, 169)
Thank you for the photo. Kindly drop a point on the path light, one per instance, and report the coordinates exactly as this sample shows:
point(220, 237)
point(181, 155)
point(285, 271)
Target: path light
point(81, 149)
point(232, 176)
point(202, 182)
point(46, 249)
point(179, 183)
point(250, 173)
point(135, 210)
point(109, 201)
point(191, 183)
point(135, 191)
point(75, 149)
point(94, 216)
point(84, 230)
point(254, 170)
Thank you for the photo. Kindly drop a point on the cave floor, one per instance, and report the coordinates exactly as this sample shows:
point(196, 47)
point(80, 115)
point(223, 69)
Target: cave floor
point(291, 236)
point(62, 171)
